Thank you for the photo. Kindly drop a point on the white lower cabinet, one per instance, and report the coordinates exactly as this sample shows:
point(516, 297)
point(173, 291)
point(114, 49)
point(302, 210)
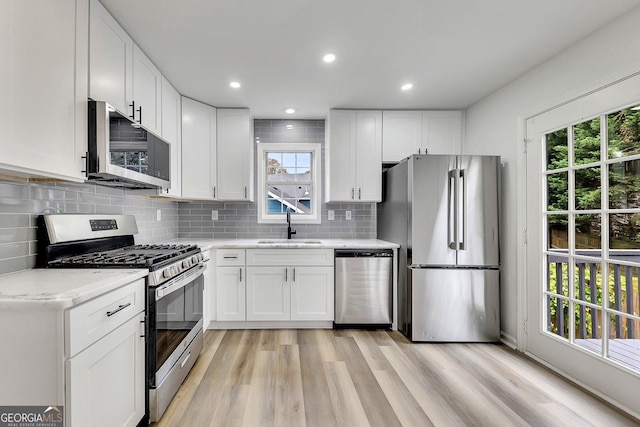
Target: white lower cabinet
point(290, 284)
point(106, 382)
point(88, 358)
point(274, 285)
point(268, 290)
point(230, 293)
point(312, 293)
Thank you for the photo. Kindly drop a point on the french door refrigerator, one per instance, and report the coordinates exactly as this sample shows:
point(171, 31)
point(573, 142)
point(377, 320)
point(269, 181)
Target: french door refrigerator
point(443, 212)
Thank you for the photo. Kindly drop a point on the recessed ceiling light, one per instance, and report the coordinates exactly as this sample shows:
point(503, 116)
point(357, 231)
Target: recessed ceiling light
point(329, 57)
point(289, 111)
point(234, 85)
point(406, 86)
point(289, 126)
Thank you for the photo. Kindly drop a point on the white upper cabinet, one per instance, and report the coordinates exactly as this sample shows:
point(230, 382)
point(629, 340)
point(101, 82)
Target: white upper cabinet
point(234, 154)
point(353, 154)
point(120, 73)
point(442, 132)
point(401, 134)
point(198, 150)
point(420, 132)
point(172, 133)
point(147, 92)
point(43, 88)
point(110, 61)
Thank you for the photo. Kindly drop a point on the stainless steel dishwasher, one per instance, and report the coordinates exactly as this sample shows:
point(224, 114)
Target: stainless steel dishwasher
point(363, 288)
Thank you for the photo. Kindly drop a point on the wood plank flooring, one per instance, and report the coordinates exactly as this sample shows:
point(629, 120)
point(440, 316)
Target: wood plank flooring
point(373, 378)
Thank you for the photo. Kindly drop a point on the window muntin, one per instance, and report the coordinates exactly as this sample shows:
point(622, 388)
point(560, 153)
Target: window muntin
point(592, 234)
point(289, 180)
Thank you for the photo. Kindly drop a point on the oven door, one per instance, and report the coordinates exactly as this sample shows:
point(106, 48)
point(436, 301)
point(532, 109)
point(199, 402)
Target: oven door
point(175, 318)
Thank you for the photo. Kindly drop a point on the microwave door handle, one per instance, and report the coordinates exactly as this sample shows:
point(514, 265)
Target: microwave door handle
point(452, 214)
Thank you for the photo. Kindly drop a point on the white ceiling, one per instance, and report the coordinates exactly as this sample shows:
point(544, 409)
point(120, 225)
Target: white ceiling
point(455, 52)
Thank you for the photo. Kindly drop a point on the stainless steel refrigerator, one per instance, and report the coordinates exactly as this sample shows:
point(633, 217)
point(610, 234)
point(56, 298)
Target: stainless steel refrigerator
point(443, 212)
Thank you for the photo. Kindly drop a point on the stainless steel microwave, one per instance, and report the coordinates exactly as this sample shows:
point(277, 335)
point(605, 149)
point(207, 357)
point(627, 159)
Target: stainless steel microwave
point(122, 153)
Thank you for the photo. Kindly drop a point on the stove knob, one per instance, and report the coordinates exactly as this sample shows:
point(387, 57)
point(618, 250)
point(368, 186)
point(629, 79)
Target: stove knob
point(174, 270)
point(200, 257)
point(186, 263)
point(167, 273)
point(195, 259)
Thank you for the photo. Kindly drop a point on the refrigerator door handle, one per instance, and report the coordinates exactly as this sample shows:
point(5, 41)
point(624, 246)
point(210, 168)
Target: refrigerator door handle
point(462, 210)
point(452, 211)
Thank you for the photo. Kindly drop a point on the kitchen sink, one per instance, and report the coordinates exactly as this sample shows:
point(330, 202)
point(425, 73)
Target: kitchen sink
point(288, 242)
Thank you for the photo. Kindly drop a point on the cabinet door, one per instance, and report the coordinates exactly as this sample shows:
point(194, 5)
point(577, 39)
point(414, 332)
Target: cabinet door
point(234, 154)
point(110, 60)
point(401, 134)
point(172, 133)
point(106, 382)
point(147, 92)
point(198, 150)
point(340, 155)
point(43, 88)
point(442, 132)
point(230, 293)
point(312, 293)
point(268, 294)
point(368, 164)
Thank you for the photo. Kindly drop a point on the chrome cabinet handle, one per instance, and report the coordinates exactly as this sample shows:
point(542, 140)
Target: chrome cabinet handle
point(120, 308)
point(294, 274)
point(140, 114)
point(286, 278)
point(214, 192)
point(353, 193)
point(245, 191)
point(133, 110)
point(230, 257)
point(241, 274)
point(360, 193)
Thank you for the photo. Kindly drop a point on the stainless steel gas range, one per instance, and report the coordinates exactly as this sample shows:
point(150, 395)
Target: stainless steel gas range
point(175, 287)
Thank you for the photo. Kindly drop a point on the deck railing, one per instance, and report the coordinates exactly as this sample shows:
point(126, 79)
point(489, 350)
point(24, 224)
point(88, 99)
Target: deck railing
point(624, 295)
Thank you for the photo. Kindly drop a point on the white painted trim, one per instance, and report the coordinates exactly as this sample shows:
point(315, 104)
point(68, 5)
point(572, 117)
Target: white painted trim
point(591, 390)
point(316, 201)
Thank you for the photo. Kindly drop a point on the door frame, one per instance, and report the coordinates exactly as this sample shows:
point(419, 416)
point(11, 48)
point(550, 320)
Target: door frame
point(600, 376)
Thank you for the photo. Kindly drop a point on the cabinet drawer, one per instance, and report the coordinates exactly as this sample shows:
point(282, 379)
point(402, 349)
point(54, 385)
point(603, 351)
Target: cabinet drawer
point(290, 257)
point(89, 322)
point(230, 257)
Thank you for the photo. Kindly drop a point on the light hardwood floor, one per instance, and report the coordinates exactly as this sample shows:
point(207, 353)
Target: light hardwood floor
point(373, 378)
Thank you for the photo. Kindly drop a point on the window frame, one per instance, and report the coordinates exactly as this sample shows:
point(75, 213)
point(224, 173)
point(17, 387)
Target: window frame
point(316, 183)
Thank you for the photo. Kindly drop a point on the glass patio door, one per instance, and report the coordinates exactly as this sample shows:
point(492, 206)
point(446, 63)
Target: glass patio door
point(583, 251)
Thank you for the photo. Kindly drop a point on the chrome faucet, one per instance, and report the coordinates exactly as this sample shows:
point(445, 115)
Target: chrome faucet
point(289, 231)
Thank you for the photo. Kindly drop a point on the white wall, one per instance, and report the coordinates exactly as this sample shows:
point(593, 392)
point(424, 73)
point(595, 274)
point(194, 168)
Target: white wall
point(495, 126)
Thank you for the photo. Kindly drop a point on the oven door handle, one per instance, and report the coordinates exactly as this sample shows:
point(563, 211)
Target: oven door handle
point(180, 281)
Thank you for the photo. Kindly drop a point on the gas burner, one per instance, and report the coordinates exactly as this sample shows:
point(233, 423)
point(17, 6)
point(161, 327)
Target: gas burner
point(146, 256)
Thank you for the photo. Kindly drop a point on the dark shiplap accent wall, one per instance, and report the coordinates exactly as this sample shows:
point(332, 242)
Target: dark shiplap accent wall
point(240, 220)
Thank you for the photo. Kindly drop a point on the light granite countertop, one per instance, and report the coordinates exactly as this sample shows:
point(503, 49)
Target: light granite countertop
point(58, 289)
point(267, 243)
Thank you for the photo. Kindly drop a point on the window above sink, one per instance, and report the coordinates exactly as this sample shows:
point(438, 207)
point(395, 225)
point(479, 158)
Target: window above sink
point(289, 179)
